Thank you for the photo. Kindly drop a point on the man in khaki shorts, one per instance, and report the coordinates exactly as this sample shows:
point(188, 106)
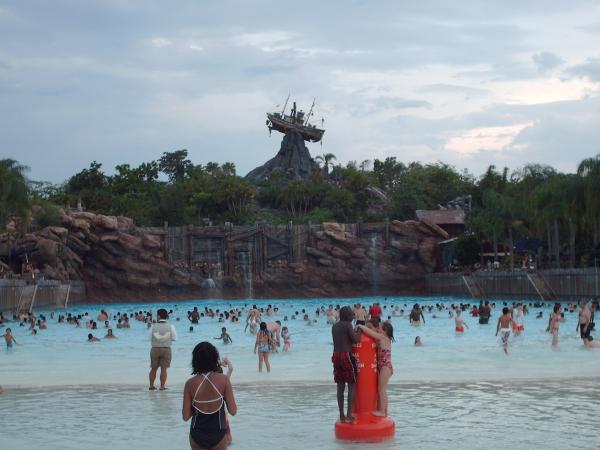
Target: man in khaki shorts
point(161, 335)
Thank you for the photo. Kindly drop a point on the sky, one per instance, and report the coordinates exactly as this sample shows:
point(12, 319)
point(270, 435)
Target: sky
point(470, 83)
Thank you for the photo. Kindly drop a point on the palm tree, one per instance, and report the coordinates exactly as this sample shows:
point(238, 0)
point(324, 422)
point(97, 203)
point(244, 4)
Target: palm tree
point(589, 170)
point(327, 160)
point(14, 190)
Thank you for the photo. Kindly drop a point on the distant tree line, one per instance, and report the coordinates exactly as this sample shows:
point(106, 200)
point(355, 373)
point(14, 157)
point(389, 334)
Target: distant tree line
point(561, 209)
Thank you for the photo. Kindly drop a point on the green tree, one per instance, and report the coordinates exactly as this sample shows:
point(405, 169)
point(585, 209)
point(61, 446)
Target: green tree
point(14, 199)
point(92, 187)
point(175, 165)
point(326, 160)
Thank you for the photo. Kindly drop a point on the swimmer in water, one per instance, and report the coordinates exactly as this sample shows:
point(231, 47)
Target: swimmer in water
point(459, 324)
point(287, 339)
point(505, 323)
point(109, 334)
point(418, 342)
point(9, 338)
point(225, 336)
point(416, 315)
point(554, 324)
point(263, 345)
point(92, 338)
point(519, 320)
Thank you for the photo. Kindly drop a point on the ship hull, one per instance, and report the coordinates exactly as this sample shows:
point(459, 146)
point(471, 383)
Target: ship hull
point(311, 134)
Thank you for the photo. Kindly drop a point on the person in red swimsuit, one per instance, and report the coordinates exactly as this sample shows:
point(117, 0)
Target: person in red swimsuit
point(375, 311)
point(459, 323)
point(384, 335)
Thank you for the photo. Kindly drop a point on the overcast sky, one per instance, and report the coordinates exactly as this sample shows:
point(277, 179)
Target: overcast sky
point(468, 82)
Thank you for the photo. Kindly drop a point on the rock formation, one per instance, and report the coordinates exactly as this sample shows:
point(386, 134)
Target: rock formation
point(293, 160)
point(119, 261)
point(340, 264)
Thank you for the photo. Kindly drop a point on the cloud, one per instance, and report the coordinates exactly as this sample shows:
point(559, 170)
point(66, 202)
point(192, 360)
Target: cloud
point(491, 138)
point(122, 81)
point(161, 42)
point(590, 69)
point(444, 88)
point(546, 61)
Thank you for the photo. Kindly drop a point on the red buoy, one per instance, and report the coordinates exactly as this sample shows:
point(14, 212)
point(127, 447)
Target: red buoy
point(367, 428)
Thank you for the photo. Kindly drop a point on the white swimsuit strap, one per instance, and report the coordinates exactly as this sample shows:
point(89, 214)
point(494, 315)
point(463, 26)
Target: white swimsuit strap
point(220, 397)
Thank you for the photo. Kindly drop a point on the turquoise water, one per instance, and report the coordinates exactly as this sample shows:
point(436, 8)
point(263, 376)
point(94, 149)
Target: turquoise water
point(454, 389)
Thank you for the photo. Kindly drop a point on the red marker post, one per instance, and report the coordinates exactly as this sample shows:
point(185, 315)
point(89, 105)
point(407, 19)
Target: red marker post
point(367, 428)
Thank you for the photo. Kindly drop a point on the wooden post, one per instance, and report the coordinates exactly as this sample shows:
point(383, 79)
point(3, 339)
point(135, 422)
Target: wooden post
point(9, 249)
point(166, 241)
point(264, 249)
point(190, 246)
point(290, 243)
point(387, 231)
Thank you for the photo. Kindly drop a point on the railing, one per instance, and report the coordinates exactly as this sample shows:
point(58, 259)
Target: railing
point(547, 284)
point(18, 296)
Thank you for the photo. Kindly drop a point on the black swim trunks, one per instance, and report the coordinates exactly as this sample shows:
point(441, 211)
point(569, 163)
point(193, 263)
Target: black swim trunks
point(584, 334)
point(483, 320)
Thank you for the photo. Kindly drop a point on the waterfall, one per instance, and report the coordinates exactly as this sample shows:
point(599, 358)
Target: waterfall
point(245, 263)
point(374, 265)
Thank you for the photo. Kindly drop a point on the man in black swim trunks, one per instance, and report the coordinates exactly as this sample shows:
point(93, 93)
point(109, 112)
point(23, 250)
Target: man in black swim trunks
point(485, 311)
point(583, 324)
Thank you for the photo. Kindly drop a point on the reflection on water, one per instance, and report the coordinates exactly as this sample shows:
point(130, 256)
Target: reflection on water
point(515, 415)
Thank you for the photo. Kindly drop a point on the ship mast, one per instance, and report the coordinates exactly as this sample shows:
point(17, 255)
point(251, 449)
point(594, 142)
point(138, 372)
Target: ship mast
point(310, 112)
point(285, 105)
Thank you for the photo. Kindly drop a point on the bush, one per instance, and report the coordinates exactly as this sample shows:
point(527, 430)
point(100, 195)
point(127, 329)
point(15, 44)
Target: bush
point(47, 215)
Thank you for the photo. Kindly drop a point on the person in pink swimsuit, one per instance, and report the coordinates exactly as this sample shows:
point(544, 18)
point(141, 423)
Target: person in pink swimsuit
point(384, 335)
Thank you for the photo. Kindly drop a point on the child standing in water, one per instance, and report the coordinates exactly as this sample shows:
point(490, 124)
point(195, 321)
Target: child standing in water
point(384, 335)
point(287, 339)
point(225, 336)
point(505, 322)
point(554, 324)
point(459, 324)
point(263, 344)
point(344, 364)
point(9, 338)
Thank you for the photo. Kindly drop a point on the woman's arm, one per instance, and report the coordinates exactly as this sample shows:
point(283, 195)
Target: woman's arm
point(370, 332)
point(186, 411)
point(229, 399)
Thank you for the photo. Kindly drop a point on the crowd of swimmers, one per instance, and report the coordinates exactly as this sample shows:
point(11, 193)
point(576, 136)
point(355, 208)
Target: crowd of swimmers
point(272, 335)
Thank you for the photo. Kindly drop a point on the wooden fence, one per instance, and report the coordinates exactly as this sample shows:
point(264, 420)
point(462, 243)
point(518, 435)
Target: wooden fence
point(561, 284)
point(17, 295)
point(228, 250)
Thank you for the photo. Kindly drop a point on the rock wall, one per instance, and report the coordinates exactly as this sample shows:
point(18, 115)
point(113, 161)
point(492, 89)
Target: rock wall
point(118, 261)
point(341, 264)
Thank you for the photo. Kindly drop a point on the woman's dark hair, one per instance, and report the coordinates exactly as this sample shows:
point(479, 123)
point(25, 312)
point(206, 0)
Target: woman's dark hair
point(389, 330)
point(263, 327)
point(205, 358)
point(346, 314)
